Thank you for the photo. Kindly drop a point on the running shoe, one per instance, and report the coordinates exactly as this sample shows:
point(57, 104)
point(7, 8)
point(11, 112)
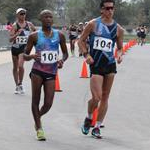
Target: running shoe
point(86, 126)
point(40, 135)
point(17, 90)
point(101, 126)
point(21, 89)
point(96, 133)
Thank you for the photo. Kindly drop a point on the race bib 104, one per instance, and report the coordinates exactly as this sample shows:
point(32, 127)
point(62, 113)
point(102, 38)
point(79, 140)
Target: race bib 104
point(21, 39)
point(102, 44)
point(49, 57)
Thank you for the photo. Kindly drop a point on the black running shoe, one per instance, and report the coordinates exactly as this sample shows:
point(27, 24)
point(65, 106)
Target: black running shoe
point(86, 127)
point(96, 133)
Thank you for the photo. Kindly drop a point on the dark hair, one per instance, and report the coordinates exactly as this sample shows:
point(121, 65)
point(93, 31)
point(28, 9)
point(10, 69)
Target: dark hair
point(105, 1)
point(8, 23)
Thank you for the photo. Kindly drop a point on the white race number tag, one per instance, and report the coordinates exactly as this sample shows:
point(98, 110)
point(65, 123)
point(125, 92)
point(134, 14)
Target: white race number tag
point(21, 39)
point(102, 44)
point(49, 57)
point(74, 33)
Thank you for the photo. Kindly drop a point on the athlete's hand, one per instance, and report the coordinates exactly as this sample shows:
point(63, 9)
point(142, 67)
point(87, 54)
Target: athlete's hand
point(19, 31)
point(60, 63)
point(119, 57)
point(14, 36)
point(36, 57)
point(89, 59)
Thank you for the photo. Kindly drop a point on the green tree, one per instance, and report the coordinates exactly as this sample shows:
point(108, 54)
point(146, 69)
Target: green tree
point(75, 12)
point(129, 14)
point(33, 7)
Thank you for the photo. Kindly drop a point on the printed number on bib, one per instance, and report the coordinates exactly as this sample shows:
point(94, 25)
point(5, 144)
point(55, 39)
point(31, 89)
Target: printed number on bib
point(49, 57)
point(102, 44)
point(73, 33)
point(21, 39)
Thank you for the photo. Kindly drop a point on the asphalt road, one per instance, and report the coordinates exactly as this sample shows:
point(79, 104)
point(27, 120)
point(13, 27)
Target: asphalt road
point(126, 124)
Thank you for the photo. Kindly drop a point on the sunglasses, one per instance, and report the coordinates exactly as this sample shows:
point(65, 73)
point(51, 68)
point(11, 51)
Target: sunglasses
point(108, 8)
point(21, 14)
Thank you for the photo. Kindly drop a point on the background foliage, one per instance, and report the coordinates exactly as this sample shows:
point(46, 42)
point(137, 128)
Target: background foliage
point(129, 14)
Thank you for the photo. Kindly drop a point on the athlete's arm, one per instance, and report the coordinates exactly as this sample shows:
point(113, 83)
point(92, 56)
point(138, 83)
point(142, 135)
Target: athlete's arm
point(84, 36)
point(14, 33)
point(63, 49)
point(119, 42)
point(31, 42)
point(33, 28)
point(82, 42)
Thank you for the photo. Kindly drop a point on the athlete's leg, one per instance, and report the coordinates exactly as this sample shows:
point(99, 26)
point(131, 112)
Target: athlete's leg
point(141, 41)
point(96, 83)
point(21, 68)
point(36, 82)
point(107, 84)
point(49, 90)
point(15, 69)
point(96, 90)
point(103, 106)
point(144, 40)
point(71, 47)
point(138, 40)
point(79, 50)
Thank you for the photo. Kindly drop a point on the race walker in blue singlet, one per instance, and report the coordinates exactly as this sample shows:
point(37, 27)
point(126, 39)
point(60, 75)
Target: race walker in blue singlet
point(102, 42)
point(46, 63)
point(48, 49)
point(103, 32)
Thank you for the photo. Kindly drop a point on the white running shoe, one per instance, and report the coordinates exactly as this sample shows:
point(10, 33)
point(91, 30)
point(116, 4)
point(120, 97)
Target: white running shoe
point(17, 90)
point(21, 89)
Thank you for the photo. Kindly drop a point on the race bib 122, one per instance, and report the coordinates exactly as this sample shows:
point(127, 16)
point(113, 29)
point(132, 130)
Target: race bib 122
point(21, 39)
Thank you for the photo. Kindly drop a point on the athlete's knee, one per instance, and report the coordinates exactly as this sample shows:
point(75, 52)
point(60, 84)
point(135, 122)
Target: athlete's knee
point(97, 98)
point(35, 99)
point(48, 104)
point(34, 104)
point(15, 69)
point(105, 95)
point(94, 103)
point(21, 67)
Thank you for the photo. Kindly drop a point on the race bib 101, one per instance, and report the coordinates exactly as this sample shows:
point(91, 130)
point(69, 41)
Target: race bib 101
point(49, 57)
point(21, 39)
point(102, 44)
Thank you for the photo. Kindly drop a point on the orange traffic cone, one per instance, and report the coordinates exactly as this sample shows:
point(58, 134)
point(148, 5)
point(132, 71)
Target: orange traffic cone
point(94, 119)
point(57, 86)
point(84, 73)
